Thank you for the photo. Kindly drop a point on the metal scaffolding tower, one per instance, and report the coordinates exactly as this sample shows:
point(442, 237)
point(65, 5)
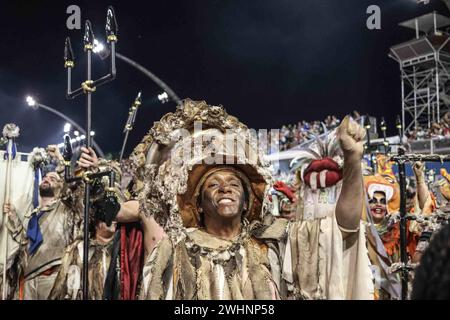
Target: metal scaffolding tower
point(425, 71)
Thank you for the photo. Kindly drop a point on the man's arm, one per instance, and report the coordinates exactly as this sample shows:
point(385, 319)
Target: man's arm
point(129, 212)
point(153, 232)
point(53, 152)
point(350, 203)
point(422, 189)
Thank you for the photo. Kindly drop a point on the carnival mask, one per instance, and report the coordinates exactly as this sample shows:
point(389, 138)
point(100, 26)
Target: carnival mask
point(387, 185)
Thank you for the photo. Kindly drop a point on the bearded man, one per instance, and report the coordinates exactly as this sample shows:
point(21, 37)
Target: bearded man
point(222, 242)
point(50, 228)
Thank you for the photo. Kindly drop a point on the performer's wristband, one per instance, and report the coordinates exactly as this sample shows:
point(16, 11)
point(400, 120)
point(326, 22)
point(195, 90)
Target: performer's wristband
point(348, 230)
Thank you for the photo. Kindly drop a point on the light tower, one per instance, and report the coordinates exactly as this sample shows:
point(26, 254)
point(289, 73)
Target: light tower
point(425, 69)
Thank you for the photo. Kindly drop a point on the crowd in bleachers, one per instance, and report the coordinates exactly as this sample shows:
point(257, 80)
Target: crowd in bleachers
point(438, 130)
point(293, 135)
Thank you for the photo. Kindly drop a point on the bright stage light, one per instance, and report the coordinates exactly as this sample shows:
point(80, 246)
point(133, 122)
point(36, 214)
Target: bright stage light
point(92, 133)
point(163, 97)
point(98, 46)
point(83, 137)
point(76, 133)
point(67, 127)
point(30, 101)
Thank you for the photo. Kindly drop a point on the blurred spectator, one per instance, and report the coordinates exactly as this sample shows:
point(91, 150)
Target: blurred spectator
point(437, 130)
point(432, 276)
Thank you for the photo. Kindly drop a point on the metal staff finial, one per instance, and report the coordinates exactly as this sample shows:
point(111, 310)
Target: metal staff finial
point(69, 58)
point(88, 87)
point(130, 121)
point(88, 37)
point(112, 29)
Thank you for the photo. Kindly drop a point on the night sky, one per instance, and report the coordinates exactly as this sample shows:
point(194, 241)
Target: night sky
point(268, 62)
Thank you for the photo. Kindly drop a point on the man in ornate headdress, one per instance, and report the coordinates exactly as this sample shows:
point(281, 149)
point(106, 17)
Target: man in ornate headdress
point(222, 243)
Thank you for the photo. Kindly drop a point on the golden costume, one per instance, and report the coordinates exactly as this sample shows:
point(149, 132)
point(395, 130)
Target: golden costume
point(270, 258)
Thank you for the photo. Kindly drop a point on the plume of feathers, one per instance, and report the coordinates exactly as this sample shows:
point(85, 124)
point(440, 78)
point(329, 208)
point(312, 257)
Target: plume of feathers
point(319, 149)
point(38, 157)
point(11, 131)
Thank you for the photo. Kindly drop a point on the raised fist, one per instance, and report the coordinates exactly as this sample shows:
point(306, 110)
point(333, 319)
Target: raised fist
point(351, 138)
point(54, 153)
point(418, 168)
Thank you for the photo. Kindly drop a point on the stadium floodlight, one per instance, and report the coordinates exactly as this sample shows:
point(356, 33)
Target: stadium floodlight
point(67, 127)
point(163, 97)
point(98, 46)
point(30, 101)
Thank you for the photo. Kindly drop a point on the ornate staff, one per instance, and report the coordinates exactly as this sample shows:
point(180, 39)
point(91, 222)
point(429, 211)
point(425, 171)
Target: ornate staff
point(383, 130)
point(88, 87)
point(368, 145)
point(398, 125)
point(401, 159)
point(10, 132)
point(130, 122)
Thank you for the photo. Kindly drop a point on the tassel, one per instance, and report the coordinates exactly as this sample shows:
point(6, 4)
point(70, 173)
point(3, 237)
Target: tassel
point(73, 281)
point(219, 280)
point(104, 264)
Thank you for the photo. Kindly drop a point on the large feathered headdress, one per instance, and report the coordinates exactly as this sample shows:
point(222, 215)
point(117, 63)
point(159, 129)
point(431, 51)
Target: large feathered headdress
point(174, 157)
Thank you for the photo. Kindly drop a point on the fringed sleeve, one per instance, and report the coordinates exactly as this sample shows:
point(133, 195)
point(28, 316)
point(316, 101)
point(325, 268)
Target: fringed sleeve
point(67, 276)
point(155, 270)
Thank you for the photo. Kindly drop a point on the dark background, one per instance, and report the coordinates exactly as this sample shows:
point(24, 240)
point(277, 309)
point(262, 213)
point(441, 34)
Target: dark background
point(269, 62)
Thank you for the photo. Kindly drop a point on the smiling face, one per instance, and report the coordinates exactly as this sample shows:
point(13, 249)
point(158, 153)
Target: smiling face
point(222, 197)
point(378, 207)
point(50, 185)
